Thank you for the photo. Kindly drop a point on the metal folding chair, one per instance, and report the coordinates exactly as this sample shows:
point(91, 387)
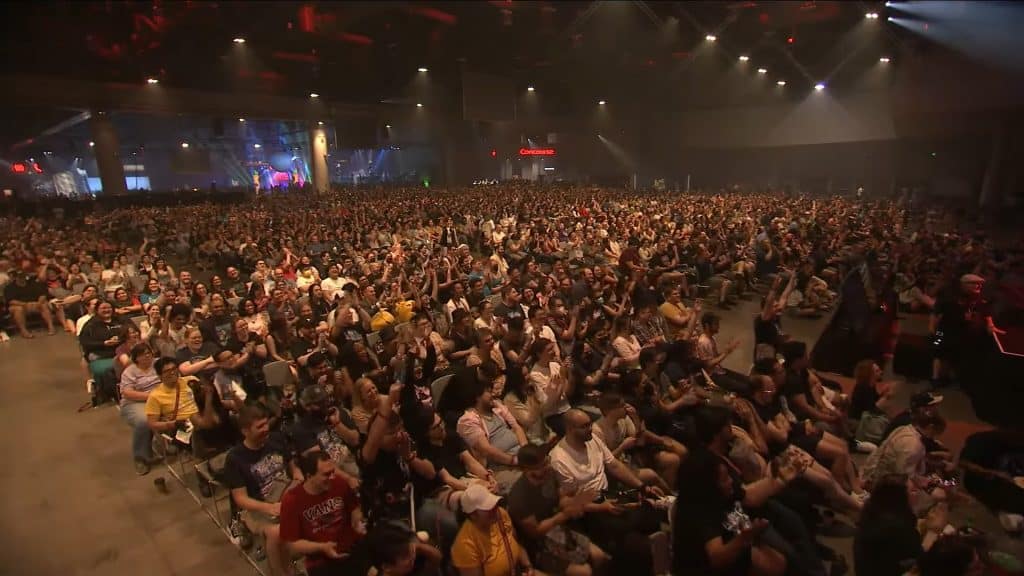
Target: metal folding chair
point(438, 386)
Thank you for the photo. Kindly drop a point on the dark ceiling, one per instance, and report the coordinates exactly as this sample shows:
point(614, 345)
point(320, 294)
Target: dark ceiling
point(366, 52)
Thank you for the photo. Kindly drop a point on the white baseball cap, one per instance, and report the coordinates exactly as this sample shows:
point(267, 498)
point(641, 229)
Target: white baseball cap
point(476, 497)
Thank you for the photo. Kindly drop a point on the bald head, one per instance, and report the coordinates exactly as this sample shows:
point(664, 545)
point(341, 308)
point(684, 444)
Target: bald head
point(577, 427)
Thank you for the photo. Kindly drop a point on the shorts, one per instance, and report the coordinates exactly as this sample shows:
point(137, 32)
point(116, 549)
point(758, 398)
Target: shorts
point(257, 522)
point(806, 442)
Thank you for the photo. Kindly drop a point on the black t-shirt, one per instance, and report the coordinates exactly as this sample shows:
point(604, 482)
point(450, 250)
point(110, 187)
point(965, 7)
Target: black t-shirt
point(884, 543)
point(797, 383)
point(205, 351)
point(962, 319)
point(527, 499)
point(863, 400)
point(32, 290)
point(768, 331)
point(447, 456)
point(310, 432)
point(383, 491)
point(257, 470)
point(301, 347)
point(506, 312)
point(217, 330)
point(692, 532)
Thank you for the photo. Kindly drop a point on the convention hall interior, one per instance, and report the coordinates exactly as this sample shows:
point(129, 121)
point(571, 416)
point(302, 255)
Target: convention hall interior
point(512, 288)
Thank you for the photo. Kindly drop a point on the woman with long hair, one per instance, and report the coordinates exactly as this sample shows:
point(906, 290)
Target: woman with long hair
point(625, 344)
point(125, 305)
point(870, 392)
point(317, 303)
point(151, 293)
point(130, 337)
point(200, 300)
point(712, 533)
point(257, 321)
point(887, 541)
point(279, 339)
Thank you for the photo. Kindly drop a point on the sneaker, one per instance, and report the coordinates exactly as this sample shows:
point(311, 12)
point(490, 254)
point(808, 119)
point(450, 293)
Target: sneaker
point(864, 447)
point(661, 553)
point(240, 535)
point(141, 468)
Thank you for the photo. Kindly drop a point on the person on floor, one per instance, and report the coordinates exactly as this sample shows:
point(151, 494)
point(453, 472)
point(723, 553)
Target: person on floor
point(887, 542)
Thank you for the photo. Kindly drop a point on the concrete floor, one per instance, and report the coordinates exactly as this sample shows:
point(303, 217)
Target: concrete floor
point(74, 505)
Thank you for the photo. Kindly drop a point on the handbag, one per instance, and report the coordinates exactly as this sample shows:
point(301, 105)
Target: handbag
point(871, 427)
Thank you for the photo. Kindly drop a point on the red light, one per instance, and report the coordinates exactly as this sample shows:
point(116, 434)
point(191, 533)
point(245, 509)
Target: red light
point(19, 168)
point(494, 153)
point(35, 166)
point(536, 151)
point(789, 40)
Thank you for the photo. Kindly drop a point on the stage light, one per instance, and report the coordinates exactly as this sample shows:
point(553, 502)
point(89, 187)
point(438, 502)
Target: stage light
point(91, 144)
point(891, 19)
point(744, 58)
point(819, 87)
point(884, 60)
point(257, 146)
point(711, 37)
point(152, 81)
point(241, 119)
point(319, 123)
point(780, 83)
point(530, 89)
point(388, 126)
point(239, 40)
point(762, 70)
point(871, 15)
point(184, 144)
point(419, 105)
point(421, 69)
point(601, 102)
point(314, 95)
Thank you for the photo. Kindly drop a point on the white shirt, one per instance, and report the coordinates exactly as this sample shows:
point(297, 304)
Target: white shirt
point(578, 471)
point(454, 304)
point(331, 286)
point(545, 387)
point(903, 452)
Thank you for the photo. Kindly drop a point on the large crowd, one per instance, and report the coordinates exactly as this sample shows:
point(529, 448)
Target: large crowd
point(516, 379)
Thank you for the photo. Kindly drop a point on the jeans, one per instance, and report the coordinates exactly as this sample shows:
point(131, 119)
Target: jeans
point(789, 536)
point(134, 414)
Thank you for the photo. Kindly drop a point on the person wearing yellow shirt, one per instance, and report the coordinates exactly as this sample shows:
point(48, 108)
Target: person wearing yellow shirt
point(486, 544)
point(171, 403)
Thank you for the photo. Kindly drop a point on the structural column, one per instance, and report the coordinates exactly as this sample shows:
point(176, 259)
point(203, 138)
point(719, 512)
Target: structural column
point(318, 159)
point(107, 151)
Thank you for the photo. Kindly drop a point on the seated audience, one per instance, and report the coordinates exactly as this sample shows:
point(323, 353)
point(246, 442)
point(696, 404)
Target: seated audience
point(321, 519)
point(137, 381)
point(486, 544)
point(888, 541)
point(256, 472)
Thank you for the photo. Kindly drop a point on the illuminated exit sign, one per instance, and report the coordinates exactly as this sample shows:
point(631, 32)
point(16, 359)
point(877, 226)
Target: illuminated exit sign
point(536, 151)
